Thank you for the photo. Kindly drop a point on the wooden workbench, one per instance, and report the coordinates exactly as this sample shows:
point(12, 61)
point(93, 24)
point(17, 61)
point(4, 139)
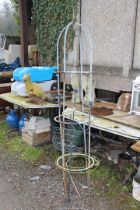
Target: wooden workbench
point(4, 88)
point(22, 102)
point(119, 123)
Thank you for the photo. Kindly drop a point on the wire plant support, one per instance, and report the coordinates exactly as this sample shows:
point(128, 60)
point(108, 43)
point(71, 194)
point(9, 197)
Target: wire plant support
point(64, 162)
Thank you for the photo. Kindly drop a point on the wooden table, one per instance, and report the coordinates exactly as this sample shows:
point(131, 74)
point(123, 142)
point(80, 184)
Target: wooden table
point(22, 102)
point(4, 88)
point(119, 123)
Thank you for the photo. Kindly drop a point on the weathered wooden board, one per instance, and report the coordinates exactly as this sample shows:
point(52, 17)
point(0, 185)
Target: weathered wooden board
point(127, 119)
point(36, 139)
point(103, 124)
point(86, 108)
point(117, 116)
point(5, 84)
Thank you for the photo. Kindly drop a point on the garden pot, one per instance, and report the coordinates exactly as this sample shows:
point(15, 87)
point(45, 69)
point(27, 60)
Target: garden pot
point(123, 161)
point(136, 187)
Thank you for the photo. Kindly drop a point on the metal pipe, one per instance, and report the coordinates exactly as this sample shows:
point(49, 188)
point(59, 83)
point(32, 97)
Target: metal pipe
point(134, 34)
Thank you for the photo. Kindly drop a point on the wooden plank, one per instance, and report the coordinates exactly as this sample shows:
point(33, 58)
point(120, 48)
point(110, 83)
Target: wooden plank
point(126, 119)
point(6, 84)
point(96, 104)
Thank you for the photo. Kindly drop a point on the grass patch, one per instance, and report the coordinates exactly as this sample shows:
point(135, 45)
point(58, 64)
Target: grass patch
point(106, 175)
point(51, 152)
point(25, 152)
point(33, 154)
point(108, 183)
point(11, 141)
point(3, 132)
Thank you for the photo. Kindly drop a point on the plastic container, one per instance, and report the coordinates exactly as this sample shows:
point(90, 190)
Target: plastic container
point(123, 161)
point(22, 121)
point(12, 119)
point(18, 87)
point(136, 187)
point(37, 74)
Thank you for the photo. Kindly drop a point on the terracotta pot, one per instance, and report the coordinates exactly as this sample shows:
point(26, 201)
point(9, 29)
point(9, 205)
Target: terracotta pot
point(101, 111)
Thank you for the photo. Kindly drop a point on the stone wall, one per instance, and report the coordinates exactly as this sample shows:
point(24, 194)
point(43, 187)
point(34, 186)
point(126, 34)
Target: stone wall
point(115, 31)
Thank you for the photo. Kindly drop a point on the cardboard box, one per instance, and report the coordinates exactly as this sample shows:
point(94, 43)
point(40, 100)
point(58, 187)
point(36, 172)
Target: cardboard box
point(34, 139)
point(38, 124)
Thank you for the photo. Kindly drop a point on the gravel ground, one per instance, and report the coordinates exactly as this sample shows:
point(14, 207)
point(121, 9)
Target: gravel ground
point(18, 192)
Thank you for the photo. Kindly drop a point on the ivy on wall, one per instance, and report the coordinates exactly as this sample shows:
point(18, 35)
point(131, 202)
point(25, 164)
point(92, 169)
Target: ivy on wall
point(49, 18)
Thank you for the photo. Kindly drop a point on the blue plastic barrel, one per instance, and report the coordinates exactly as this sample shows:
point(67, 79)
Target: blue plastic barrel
point(22, 121)
point(37, 74)
point(12, 119)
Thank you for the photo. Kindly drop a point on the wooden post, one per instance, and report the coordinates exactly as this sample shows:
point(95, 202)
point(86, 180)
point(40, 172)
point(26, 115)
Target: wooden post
point(23, 32)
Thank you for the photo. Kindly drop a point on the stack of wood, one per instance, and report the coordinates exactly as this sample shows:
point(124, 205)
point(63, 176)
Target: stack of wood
point(37, 131)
